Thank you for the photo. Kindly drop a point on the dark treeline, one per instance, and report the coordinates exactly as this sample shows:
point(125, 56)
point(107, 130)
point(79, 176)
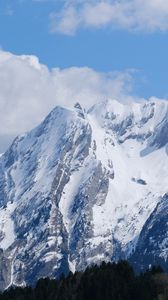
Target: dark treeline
point(111, 281)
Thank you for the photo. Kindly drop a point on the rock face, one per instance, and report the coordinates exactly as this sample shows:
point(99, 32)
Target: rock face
point(84, 187)
point(152, 246)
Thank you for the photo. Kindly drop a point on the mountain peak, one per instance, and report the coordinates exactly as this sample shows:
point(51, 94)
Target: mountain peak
point(80, 110)
point(79, 189)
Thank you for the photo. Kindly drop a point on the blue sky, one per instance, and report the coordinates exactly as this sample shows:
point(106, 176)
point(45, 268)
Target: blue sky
point(25, 30)
point(123, 44)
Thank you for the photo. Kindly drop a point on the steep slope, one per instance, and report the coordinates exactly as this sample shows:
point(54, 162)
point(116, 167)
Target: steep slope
point(81, 188)
point(152, 246)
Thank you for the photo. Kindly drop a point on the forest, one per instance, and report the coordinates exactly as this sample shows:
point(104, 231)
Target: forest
point(109, 281)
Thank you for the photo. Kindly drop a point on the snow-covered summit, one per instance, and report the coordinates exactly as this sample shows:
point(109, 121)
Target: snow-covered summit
point(81, 187)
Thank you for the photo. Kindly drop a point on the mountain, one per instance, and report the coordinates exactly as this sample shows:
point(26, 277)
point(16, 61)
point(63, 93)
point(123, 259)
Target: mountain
point(85, 187)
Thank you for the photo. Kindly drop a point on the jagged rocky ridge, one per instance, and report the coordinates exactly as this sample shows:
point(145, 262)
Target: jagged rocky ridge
point(84, 187)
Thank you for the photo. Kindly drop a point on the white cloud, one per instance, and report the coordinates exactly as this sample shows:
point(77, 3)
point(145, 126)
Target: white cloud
point(29, 90)
point(143, 15)
point(65, 22)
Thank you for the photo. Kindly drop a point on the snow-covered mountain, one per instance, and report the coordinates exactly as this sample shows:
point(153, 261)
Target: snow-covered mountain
point(84, 187)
